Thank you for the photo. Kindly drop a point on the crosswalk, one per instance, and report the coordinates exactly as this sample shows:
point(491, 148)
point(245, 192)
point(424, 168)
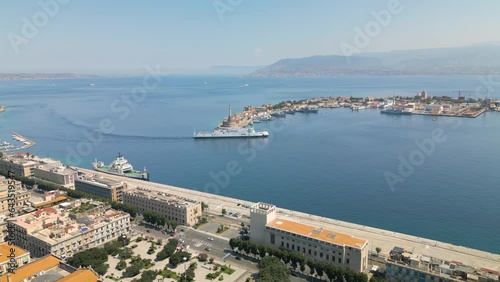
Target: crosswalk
point(199, 242)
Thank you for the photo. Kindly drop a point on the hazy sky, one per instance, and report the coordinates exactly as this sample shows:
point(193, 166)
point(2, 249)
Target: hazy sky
point(95, 36)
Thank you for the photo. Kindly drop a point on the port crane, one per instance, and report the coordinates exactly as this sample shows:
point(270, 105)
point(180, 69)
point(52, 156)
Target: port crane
point(462, 91)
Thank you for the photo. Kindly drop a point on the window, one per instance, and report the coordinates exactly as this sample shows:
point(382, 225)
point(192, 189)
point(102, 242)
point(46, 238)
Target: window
point(348, 260)
point(340, 260)
point(273, 239)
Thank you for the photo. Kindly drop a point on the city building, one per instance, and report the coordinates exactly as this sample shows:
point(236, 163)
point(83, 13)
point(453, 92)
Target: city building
point(21, 195)
point(313, 242)
point(50, 198)
point(181, 210)
point(63, 232)
point(24, 164)
point(101, 187)
point(8, 253)
point(57, 173)
point(405, 266)
point(50, 269)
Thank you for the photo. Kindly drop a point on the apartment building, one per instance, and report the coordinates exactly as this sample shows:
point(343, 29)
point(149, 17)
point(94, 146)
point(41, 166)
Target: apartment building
point(181, 210)
point(63, 232)
point(317, 243)
point(20, 195)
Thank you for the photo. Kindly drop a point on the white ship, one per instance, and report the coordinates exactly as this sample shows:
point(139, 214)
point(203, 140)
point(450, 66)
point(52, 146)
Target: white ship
point(120, 166)
point(232, 132)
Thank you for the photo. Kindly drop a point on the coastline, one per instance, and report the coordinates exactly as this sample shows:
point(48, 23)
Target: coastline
point(384, 239)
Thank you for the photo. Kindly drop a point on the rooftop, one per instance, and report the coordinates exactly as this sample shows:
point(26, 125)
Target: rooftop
point(162, 197)
point(86, 275)
point(5, 251)
point(31, 269)
point(317, 233)
point(99, 181)
point(53, 225)
point(58, 168)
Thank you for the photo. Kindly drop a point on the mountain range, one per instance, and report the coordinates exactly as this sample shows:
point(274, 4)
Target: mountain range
point(481, 59)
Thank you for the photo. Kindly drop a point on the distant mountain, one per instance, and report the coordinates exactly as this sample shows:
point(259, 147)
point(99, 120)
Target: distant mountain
point(469, 60)
point(39, 76)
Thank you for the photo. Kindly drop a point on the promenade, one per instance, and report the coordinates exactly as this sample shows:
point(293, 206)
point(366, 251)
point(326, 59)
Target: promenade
point(384, 239)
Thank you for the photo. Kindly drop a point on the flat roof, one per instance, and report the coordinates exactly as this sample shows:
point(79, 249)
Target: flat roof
point(86, 275)
point(32, 268)
point(5, 252)
point(56, 200)
point(317, 233)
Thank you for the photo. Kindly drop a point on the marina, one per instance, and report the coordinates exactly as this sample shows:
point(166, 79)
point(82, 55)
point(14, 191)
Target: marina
point(8, 147)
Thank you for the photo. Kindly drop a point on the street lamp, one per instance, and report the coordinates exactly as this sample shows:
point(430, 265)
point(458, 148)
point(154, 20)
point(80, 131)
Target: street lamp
point(185, 274)
point(124, 249)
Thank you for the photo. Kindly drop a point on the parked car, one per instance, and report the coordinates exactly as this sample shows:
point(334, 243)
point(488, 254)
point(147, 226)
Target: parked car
point(238, 258)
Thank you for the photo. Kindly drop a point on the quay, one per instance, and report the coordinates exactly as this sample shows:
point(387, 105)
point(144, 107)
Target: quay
point(376, 237)
point(18, 137)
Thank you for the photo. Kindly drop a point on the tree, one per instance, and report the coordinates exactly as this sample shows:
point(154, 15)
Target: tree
point(178, 258)
point(224, 211)
point(121, 265)
point(378, 250)
point(272, 269)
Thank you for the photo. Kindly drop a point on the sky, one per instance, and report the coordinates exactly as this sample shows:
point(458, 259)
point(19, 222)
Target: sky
point(123, 36)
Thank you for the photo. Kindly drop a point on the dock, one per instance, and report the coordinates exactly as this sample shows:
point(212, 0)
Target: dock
point(6, 147)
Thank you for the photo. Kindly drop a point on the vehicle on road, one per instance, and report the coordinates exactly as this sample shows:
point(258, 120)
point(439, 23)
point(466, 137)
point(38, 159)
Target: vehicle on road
point(238, 258)
point(207, 249)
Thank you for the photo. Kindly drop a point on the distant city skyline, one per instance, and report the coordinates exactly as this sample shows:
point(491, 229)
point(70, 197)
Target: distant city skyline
point(123, 37)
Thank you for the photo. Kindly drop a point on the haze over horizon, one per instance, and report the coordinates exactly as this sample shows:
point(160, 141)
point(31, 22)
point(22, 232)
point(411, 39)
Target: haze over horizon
point(122, 37)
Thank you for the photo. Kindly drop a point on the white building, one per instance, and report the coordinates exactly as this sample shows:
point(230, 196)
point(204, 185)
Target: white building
point(317, 243)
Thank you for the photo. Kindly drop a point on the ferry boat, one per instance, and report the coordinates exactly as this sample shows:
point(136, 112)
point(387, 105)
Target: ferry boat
point(231, 132)
point(394, 111)
point(307, 110)
point(120, 166)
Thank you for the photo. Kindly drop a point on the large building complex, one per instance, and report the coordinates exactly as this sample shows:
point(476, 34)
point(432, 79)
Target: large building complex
point(405, 266)
point(57, 173)
point(50, 269)
point(101, 187)
point(24, 164)
point(181, 210)
point(62, 233)
point(317, 243)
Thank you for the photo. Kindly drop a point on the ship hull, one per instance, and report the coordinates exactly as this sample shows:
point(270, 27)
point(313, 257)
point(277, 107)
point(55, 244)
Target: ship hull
point(229, 136)
point(135, 175)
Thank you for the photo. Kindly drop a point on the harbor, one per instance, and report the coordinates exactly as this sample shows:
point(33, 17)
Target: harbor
point(384, 239)
point(8, 147)
point(421, 104)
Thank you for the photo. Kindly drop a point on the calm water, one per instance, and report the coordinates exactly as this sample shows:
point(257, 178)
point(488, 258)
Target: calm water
point(331, 164)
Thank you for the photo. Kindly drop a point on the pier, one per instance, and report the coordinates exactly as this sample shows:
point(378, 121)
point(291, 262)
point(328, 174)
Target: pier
point(6, 147)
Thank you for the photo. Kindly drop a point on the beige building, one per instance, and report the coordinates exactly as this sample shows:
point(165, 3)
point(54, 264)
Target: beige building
point(181, 210)
point(24, 164)
point(57, 173)
point(21, 195)
point(62, 233)
point(20, 256)
point(313, 242)
point(102, 187)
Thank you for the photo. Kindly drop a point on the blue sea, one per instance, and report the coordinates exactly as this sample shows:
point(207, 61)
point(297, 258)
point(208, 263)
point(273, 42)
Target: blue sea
point(444, 173)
